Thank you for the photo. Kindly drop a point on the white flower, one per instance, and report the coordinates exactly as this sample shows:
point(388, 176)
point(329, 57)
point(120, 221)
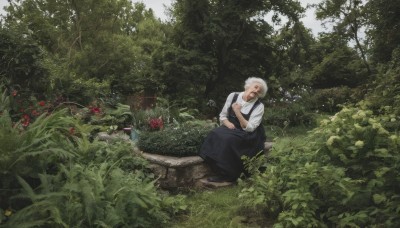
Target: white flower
point(331, 140)
point(359, 144)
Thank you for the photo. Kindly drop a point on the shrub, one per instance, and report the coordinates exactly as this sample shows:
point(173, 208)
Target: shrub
point(184, 140)
point(345, 173)
point(292, 114)
point(329, 100)
point(384, 99)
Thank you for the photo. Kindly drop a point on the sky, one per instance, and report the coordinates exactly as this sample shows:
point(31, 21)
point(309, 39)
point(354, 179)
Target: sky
point(159, 10)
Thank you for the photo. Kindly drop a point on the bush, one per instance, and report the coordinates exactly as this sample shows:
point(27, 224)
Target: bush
point(329, 100)
point(384, 99)
point(184, 140)
point(285, 115)
point(345, 173)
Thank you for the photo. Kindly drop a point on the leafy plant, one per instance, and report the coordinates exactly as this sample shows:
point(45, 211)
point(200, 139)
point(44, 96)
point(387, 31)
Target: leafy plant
point(184, 140)
point(342, 174)
point(89, 196)
point(54, 175)
point(284, 115)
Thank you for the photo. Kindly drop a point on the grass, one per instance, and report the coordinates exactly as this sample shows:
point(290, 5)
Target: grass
point(212, 208)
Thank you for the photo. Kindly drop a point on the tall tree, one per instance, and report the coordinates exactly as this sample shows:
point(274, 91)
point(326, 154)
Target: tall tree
point(220, 43)
point(348, 18)
point(385, 28)
point(293, 56)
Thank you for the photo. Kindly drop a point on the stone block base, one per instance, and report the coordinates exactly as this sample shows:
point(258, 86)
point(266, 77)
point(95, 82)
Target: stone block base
point(175, 172)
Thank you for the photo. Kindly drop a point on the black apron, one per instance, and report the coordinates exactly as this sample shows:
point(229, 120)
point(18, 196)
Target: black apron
point(225, 147)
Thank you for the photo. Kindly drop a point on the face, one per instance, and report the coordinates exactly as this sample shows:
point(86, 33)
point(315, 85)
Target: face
point(254, 91)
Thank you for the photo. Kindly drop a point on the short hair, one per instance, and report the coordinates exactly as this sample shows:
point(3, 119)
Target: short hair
point(252, 80)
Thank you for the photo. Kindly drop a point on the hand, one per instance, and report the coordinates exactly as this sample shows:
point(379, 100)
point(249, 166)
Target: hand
point(236, 107)
point(229, 125)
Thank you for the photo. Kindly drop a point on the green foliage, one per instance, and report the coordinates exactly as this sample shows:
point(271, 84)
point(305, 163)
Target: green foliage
point(288, 114)
point(344, 173)
point(384, 98)
point(382, 18)
point(90, 196)
point(215, 208)
point(53, 174)
point(184, 140)
point(341, 67)
point(330, 100)
point(142, 117)
point(21, 61)
point(119, 116)
point(31, 151)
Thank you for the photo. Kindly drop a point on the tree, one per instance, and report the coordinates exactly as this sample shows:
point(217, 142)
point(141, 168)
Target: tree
point(91, 43)
point(384, 31)
point(21, 61)
point(348, 17)
point(293, 56)
point(339, 65)
point(218, 44)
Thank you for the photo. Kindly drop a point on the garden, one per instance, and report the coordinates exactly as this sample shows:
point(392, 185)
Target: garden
point(74, 72)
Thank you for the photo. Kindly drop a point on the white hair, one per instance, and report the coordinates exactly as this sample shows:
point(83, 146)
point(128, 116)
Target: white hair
point(252, 80)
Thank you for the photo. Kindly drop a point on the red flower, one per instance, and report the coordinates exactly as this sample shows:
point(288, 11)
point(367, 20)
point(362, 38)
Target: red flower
point(95, 110)
point(26, 120)
point(156, 123)
point(71, 131)
point(41, 103)
point(35, 113)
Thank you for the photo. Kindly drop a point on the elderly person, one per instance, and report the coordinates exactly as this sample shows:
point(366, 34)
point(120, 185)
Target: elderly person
point(241, 132)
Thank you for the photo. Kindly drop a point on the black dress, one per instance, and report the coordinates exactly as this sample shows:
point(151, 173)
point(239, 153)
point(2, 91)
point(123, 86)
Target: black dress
point(224, 147)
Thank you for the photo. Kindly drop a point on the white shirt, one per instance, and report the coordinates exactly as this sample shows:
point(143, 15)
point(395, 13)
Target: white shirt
point(255, 117)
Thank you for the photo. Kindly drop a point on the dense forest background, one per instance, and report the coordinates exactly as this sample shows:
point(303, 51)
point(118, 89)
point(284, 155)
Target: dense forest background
point(86, 49)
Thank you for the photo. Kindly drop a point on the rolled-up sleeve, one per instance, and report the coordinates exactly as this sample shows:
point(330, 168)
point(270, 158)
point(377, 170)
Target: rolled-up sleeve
point(255, 118)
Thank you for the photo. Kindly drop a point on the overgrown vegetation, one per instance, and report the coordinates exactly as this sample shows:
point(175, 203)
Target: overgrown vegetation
point(54, 174)
point(344, 173)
